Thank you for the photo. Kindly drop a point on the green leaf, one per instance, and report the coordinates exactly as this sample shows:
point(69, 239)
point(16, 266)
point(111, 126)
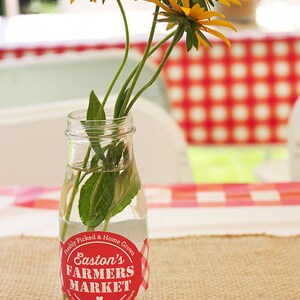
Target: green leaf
point(195, 41)
point(119, 103)
point(120, 148)
point(203, 37)
point(84, 198)
point(180, 34)
point(96, 196)
point(94, 162)
point(189, 40)
point(104, 197)
point(114, 155)
point(127, 186)
point(95, 110)
point(98, 150)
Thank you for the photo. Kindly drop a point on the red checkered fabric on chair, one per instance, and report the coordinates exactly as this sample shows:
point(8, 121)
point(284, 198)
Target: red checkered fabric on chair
point(238, 95)
point(235, 95)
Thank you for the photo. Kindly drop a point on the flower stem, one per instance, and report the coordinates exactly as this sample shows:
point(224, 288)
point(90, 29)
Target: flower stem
point(72, 198)
point(141, 64)
point(162, 63)
point(129, 78)
point(77, 179)
point(127, 45)
point(157, 45)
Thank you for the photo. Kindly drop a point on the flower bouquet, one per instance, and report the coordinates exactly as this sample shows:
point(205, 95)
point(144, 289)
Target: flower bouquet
point(103, 214)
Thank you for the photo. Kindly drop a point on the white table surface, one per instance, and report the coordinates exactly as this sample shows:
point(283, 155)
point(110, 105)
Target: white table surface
point(169, 222)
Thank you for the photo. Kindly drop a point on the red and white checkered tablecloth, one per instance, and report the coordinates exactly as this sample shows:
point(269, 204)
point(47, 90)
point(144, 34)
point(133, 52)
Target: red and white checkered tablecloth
point(183, 195)
point(237, 95)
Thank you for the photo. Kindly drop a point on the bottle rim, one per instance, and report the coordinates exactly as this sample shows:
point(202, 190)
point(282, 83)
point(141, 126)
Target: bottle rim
point(78, 126)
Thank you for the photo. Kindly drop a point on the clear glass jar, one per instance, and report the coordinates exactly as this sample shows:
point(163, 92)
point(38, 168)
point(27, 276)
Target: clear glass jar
point(103, 213)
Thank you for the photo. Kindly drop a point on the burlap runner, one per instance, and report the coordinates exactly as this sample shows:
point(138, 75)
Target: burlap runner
point(230, 267)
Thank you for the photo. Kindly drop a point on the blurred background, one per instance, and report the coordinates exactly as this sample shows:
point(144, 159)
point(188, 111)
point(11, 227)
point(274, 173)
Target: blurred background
point(220, 162)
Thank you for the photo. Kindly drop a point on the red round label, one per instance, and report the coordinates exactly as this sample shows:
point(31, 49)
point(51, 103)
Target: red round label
point(100, 266)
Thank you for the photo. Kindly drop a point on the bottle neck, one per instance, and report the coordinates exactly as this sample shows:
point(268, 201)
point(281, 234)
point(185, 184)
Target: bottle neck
point(99, 145)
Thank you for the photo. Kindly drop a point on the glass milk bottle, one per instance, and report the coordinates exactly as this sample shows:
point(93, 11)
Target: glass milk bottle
point(103, 214)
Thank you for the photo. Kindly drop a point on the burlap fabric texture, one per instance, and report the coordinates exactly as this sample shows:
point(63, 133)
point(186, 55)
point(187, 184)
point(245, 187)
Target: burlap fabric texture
point(228, 267)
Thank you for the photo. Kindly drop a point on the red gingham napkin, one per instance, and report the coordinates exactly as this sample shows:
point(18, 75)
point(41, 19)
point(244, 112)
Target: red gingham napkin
point(179, 195)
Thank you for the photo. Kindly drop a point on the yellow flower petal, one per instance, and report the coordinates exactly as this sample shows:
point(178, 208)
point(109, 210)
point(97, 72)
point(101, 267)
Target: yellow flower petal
point(196, 10)
point(225, 2)
point(218, 23)
point(219, 35)
point(170, 26)
point(175, 5)
point(199, 13)
point(186, 3)
point(161, 5)
point(237, 3)
point(228, 2)
point(202, 42)
point(186, 10)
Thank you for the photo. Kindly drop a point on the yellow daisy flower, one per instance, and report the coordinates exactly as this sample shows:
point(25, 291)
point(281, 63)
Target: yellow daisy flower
point(195, 19)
